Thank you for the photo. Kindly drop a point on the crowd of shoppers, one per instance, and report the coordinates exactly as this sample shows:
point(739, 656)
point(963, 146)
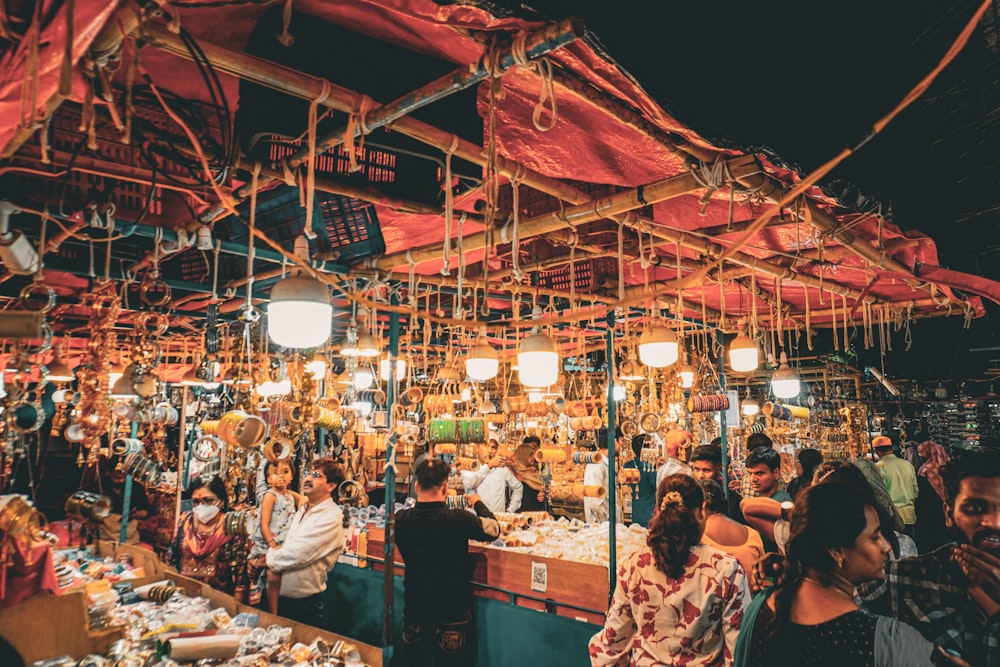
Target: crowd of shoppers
point(843, 583)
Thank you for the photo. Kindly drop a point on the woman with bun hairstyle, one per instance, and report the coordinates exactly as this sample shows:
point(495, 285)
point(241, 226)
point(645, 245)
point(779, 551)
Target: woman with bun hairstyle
point(678, 601)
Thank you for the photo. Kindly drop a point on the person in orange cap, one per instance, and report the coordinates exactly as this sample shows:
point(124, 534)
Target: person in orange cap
point(900, 479)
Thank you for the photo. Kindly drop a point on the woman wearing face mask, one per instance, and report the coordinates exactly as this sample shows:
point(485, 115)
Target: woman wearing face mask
point(202, 550)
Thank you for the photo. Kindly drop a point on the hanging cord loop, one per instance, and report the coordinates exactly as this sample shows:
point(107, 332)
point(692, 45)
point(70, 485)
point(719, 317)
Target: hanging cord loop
point(543, 68)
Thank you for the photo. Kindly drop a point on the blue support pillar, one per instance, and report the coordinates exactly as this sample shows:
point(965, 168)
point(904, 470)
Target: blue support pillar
point(390, 490)
point(612, 470)
point(723, 430)
point(127, 497)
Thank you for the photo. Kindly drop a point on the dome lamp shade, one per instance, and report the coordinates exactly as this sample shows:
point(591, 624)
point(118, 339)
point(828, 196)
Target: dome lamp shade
point(300, 313)
point(744, 356)
point(538, 361)
point(658, 347)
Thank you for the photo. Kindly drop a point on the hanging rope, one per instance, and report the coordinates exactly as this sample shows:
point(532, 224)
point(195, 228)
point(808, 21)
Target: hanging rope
point(575, 238)
point(286, 38)
point(833, 311)
point(491, 171)
point(29, 92)
point(310, 189)
point(459, 313)
point(809, 340)
point(515, 240)
point(621, 260)
point(449, 207)
point(411, 288)
point(252, 224)
point(843, 305)
point(66, 69)
point(722, 305)
point(356, 121)
point(543, 68)
point(780, 307)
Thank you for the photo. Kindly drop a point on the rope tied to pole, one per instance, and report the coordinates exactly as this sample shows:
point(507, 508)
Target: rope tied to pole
point(543, 68)
point(356, 122)
point(310, 189)
point(711, 177)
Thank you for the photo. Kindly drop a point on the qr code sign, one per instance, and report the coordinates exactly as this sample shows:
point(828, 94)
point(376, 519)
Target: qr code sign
point(539, 577)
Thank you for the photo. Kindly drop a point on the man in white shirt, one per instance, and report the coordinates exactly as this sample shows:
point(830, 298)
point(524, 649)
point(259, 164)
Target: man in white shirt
point(313, 544)
point(673, 465)
point(595, 510)
point(495, 484)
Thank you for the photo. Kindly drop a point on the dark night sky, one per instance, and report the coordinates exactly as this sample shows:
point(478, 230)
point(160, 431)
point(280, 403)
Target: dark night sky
point(805, 80)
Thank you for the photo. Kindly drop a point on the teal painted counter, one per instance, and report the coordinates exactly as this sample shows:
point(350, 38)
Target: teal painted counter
point(505, 635)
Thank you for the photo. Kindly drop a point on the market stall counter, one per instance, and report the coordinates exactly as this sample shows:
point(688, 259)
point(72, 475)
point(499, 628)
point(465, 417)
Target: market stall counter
point(69, 628)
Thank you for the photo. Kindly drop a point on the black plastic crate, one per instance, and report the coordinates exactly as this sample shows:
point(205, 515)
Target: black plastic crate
point(588, 274)
point(347, 230)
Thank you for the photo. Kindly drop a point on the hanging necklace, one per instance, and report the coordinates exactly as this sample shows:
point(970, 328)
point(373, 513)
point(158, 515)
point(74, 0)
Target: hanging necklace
point(832, 587)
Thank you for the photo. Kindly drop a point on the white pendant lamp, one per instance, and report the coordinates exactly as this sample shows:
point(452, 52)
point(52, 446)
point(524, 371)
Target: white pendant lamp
point(383, 369)
point(317, 366)
point(658, 347)
point(363, 378)
point(785, 382)
point(743, 354)
point(686, 375)
point(300, 314)
point(482, 362)
point(750, 406)
point(537, 357)
point(538, 361)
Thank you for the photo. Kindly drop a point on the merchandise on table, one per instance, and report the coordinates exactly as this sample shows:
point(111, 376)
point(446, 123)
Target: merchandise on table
point(163, 626)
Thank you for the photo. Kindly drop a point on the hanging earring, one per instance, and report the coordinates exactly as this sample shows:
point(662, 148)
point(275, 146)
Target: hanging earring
point(840, 560)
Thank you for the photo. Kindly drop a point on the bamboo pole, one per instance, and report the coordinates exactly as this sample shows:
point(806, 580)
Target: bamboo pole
point(573, 216)
point(552, 37)
point(308, 87)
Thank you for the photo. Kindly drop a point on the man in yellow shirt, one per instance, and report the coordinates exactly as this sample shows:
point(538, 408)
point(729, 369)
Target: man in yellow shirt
point(900, 479)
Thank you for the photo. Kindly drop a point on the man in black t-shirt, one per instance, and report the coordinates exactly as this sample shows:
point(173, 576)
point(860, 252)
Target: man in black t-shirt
point(434, 542)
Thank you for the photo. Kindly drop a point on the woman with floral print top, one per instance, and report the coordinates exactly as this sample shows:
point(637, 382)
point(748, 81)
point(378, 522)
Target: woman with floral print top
point(678, 602)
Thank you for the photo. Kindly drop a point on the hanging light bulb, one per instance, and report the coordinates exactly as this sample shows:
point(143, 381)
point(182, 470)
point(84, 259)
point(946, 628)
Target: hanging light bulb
point(300, 314)
point(785, 381)
point(58, 371)
point(482, 362)
point(363, 378)
point(383, 369)
point(743, 354)
point(630, 370)
point(618, 393)
point(537, 358)
point(115, 373)
point(750, 406)
point(363, 345)
point(686, 374)
point(122, 388)
point(658, 346)
point(317, 366)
